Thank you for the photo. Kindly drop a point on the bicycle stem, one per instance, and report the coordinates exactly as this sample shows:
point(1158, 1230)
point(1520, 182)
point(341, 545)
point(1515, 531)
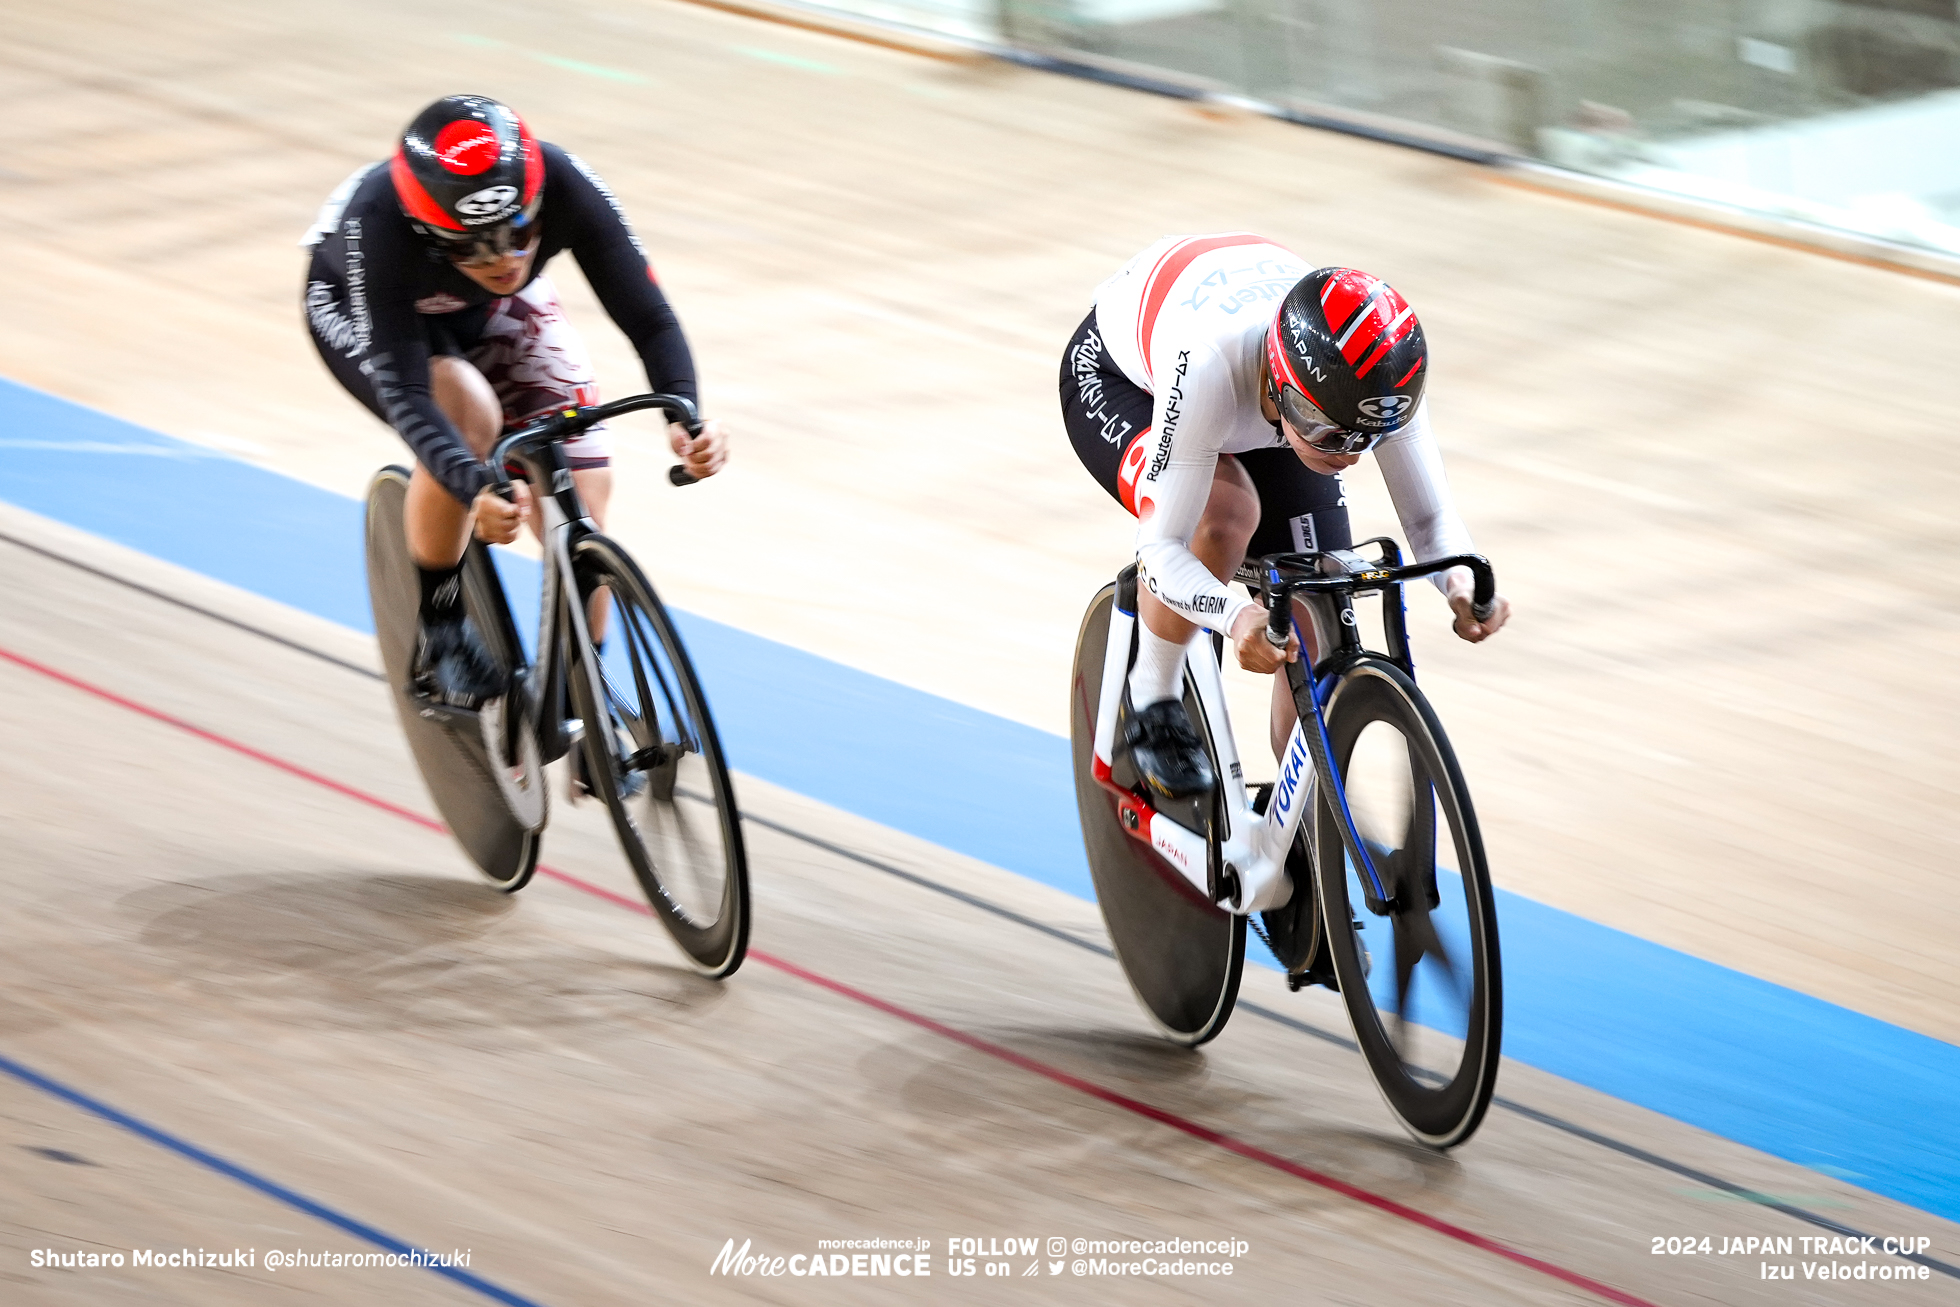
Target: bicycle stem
point(569, 422)
point(1278, 587)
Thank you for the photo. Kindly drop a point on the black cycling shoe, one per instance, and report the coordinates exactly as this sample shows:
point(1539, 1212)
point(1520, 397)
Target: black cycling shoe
point(452, 667)
point(1167, 753)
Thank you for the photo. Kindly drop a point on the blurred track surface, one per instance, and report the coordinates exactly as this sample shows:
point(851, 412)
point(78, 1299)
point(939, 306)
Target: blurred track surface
point(234, 923)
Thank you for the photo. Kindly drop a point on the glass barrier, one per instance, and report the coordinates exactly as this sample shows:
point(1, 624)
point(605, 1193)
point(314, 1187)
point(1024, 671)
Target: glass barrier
point(1844, 113)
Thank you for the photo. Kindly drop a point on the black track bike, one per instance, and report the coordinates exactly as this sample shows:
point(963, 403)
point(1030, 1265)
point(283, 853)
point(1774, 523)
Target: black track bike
point(636, 712)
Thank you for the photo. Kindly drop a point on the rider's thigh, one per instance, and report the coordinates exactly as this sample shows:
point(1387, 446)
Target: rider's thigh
point(1231, 516)
point(595, 486)
point(467, 400)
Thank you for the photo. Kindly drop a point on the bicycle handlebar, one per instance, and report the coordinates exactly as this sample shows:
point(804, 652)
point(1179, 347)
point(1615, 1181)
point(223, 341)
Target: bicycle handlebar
point(569, 422)
point(1279, 588)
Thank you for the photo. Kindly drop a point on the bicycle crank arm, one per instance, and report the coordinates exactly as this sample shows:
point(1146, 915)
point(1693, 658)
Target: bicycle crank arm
point(447, 714)
point(654, 757)
point(1182, 848)
point(1255, 881)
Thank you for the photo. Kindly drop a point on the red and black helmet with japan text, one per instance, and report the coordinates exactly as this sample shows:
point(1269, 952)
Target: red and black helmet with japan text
point(469, 173)
point(1345, 360)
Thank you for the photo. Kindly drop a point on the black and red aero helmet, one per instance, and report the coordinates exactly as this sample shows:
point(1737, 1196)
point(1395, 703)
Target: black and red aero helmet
point(468, 168)
point(1349, 346)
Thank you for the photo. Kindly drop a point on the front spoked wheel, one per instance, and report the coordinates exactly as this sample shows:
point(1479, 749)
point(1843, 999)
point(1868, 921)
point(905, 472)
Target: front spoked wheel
point(651, 752)
point(1414, 944)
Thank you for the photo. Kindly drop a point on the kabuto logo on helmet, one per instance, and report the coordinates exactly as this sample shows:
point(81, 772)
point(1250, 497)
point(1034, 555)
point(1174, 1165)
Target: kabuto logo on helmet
point(487, 204)
point(1387, 410)
point(466, 146)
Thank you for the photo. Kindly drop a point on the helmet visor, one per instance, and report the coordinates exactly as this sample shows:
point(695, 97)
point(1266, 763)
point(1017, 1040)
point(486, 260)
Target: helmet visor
point(485, 246)
point(479, 247)
point(1317, 430)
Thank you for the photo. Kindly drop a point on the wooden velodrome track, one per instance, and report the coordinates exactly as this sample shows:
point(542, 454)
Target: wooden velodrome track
point(1715, 475)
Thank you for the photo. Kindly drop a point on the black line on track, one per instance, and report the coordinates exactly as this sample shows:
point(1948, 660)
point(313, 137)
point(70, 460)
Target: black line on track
point(188, 606)
point(1715, 1182)
point(1577, 1131)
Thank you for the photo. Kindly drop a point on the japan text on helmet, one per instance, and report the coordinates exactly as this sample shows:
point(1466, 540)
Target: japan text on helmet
point(469, 175)
point(1345, 360)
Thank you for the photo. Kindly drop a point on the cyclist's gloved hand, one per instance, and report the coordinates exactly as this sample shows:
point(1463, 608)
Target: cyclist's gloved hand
point(498, 520)
point(1466, 624)
point(1256, 652)
point(702, 455)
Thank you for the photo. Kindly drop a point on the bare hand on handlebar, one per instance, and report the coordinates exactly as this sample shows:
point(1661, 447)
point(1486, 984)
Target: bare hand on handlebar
point(1467, 624)
point(498, 520)
point(1257, 652)
point(703, 455)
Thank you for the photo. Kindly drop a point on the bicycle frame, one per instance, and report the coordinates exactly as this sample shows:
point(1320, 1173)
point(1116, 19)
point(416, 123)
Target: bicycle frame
point(1248, 873)
point(1253, 850)
point(563, 521)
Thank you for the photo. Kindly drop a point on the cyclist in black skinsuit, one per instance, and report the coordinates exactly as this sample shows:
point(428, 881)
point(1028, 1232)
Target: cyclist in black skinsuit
point(426, 299)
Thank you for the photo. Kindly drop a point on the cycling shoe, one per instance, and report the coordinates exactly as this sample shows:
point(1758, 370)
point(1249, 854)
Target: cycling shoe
point(452, 667)
point(1167, 753)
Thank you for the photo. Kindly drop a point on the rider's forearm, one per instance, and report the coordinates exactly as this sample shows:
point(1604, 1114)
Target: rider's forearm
point(1166, 566)
point(1193, 402)
point(1175, 576)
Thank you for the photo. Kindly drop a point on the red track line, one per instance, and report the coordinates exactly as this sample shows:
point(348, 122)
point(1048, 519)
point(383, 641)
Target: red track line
point(1227, 1142)
point(291, 769)
point(1251, 1152)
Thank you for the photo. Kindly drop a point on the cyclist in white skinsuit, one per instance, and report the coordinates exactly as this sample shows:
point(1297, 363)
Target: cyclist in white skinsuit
point(1218, 390)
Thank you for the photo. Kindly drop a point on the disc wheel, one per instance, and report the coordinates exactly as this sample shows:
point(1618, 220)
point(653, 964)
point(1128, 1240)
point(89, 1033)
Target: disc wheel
point(1181, 953)
point(1417, 959)
point(482, 768)
point(651, 752)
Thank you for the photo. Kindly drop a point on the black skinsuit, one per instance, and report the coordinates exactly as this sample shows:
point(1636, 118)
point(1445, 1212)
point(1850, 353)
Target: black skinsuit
point(379, 304)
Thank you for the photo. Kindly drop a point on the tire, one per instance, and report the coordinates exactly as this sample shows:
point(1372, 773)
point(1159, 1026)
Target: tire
point(1182, 954)
point(660, 767)
point(496, 812)
point(1420, 973)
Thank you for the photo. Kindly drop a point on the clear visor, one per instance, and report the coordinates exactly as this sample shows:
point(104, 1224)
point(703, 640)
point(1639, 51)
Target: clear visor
point(1313, 426)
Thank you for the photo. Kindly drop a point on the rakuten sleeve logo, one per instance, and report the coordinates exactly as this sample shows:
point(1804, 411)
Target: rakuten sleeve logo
point(466, 146)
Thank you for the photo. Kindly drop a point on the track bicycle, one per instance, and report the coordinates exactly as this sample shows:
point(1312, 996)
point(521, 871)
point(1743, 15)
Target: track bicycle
point(1384, 895)
point(636, 712)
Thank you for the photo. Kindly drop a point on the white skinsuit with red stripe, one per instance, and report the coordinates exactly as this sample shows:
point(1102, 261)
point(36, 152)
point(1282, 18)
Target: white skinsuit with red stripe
point(1186, 320)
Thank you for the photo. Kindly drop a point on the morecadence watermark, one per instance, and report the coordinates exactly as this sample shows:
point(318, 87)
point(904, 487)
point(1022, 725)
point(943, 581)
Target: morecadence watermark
point(962, 1256)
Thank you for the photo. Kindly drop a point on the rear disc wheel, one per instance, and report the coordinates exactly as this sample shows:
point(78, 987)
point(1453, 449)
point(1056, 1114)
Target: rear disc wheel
point(1182, 954)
